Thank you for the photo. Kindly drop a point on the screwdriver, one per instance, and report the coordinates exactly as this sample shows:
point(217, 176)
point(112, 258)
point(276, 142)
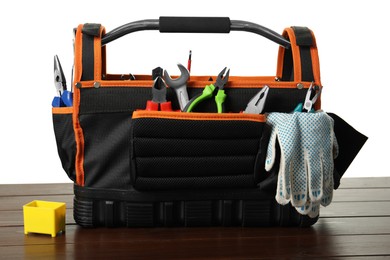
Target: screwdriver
point(189, 61)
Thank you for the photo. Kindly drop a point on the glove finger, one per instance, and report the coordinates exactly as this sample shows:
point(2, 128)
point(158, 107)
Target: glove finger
point(328, 183)
point(329, 137)
point(285, 136)
point(271, 151)
point(287, 180)
point(283, 185)
point(304, 210)
point(315, 175)
point(289, 142)
point(315, 210)
point(279, 197)
point(284, 175)
point(316, 141)
point(284, 170)
point(327, 197)
point(281, 191)
point(279, 123)
point(299, 181)
point(330, 151)
point(312, 209)
point(328, 167)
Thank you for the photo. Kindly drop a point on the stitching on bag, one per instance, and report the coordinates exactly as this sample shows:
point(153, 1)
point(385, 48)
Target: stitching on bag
point(198, 116)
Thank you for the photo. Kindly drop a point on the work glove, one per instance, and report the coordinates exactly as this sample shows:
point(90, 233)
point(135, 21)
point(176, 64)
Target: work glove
point(308, 146)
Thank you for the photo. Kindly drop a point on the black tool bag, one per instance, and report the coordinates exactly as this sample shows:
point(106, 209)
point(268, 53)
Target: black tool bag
point(140, 168)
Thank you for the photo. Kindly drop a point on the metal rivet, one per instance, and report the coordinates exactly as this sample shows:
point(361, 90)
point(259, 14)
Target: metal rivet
point(300, 86)
point(78, 85)
point(96, 85)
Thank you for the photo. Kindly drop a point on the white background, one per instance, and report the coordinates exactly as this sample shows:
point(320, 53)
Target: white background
point(352, 38)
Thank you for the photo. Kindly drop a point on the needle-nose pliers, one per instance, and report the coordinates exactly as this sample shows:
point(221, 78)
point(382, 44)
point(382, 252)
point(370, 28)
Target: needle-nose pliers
point(310, 100)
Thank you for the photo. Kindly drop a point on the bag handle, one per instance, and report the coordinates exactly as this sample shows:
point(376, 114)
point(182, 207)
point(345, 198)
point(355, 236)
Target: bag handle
point(172, 24)
point(297, 60)
point(300, 62)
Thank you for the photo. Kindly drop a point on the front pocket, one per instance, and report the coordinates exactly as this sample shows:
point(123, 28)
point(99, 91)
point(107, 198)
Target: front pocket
point(172, 150)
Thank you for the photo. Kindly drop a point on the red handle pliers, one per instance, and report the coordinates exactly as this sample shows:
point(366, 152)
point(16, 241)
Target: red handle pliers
point(159, 97)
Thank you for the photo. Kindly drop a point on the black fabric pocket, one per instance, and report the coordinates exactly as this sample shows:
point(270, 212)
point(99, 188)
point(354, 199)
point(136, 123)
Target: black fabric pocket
point(65, 139)
point(171, 150)
point(106, 149)
point(350, 142)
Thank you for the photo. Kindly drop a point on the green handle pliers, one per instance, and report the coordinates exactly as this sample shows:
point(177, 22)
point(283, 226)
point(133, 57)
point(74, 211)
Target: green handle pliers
point(209, 91)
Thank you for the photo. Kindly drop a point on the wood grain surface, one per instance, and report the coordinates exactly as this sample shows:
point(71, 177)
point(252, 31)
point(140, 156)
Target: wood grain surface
point(355, 226)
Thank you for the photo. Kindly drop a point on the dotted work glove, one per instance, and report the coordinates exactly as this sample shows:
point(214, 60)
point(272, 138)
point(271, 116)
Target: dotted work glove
point(308, 146)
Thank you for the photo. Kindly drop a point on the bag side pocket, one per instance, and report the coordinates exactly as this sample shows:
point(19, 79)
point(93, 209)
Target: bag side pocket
point(65, 139)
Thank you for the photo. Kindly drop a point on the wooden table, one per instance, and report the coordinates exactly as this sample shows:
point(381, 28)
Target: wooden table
point(355, 226)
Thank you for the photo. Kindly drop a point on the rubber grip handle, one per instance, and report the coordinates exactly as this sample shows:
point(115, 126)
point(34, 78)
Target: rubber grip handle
point(194, 25)
point(171, 24)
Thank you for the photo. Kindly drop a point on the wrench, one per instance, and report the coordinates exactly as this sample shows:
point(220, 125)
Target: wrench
point(179, 85)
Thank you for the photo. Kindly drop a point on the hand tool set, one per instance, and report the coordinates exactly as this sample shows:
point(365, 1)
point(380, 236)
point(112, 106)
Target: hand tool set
point(188, 150)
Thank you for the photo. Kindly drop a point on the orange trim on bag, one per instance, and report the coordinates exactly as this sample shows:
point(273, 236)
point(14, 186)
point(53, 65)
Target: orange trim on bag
point(289, 34)
point(62, 110)
point(237, 82)
point(296, 55)
point(98, 55)
point(78, 132)
point(199, 116)
point(79, 164)
point(104, 63)
point(78, 49)
point(280, 62)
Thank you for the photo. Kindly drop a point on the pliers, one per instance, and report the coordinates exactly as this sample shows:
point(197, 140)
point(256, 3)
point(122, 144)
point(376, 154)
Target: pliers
point(64, 98)
point(307, 106)
point(257, 102)
point(159, 97)
point(208, 92)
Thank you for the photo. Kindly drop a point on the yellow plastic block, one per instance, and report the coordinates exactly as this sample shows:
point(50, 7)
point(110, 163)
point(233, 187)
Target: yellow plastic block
point(44, 217)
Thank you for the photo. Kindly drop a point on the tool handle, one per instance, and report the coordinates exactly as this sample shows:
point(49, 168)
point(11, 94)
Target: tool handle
point(174, 24)
point(206, 93)
point(169, 24)
point(219, 100)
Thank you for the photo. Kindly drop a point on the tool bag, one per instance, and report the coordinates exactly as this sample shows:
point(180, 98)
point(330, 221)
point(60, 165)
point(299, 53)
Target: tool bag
point(140, 168)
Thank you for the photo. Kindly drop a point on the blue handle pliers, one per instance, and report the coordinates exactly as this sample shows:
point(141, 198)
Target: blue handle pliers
point(65, 97)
